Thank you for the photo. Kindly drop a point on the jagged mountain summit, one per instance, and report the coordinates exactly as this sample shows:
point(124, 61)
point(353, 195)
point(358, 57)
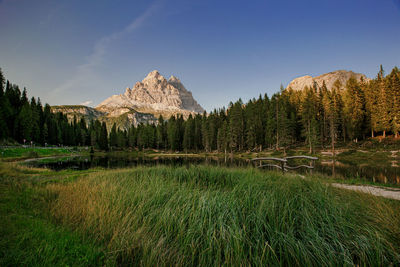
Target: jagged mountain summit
point(342, 75)
point(155, 95)
point(148, 99)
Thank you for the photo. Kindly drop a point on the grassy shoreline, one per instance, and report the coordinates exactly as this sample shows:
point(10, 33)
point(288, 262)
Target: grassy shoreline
point(192, 216)
point(348, 157)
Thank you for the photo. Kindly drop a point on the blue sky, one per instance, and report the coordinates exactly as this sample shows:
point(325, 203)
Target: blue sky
point(69, 52)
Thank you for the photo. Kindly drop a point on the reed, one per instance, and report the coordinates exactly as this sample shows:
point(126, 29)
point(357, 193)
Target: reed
point(206, 216)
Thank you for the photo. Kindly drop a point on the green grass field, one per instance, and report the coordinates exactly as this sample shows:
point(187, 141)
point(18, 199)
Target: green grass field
point(163, 216)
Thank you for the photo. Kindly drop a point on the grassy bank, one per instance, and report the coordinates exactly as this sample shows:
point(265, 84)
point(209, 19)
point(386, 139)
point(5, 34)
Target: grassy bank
point(190, 216)
point(18, 153)
point(28, 236)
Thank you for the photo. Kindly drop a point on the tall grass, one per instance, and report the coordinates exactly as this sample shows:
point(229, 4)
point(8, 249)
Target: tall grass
point(164, 216)
point(27, 236)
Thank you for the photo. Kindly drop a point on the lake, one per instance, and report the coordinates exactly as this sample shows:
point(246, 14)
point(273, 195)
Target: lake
point(385, 174)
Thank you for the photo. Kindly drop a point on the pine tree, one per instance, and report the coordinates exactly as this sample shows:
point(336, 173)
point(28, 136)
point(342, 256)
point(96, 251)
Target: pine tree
point(198, 145)
point(23, 124)
point(395, 101)
point(332, 110)
point(309, 115)
point(45, 133)
point(270, 124)
point(3, 119)
point(103, 137)
point(189, 135)
point(236, 126)
point(383, 122)
point(132, 139)
point(222, 138)
point(35, 121)
point(322, 116)
point(113, 136)
point(206, 138)
point(160, 133)
point(354, 109)
point(172, 133)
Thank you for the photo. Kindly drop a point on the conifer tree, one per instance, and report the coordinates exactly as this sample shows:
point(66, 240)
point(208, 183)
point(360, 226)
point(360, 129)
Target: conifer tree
point(222, 138)
point(309, 115)
point(354, 109)
point(172, 133)
point(113, 136)
point(189, 135)
point(383, 123)
point(23, 124)
point(198, 132)
point(160, 133)
point(103, 137)
point(132, 139)
point(236, 126)
point(395, 101)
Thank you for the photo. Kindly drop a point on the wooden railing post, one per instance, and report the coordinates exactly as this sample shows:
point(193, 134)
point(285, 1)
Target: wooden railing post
point(283, 166)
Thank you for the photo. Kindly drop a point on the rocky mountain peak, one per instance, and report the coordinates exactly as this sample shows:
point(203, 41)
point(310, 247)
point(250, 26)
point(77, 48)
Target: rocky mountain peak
point(329, 78)
point(156, 95)
point(153, 74)
point(173, 79)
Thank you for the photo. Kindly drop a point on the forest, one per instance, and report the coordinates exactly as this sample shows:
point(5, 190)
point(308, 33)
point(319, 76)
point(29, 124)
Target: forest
point(314, 116)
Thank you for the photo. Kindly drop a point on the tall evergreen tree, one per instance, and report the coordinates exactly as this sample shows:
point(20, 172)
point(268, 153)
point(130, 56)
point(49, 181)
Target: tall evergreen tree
point(189, 135)
point(309, 115)
point(113, 136)
point(23, 124)
point(354, 109)
point(103, 137)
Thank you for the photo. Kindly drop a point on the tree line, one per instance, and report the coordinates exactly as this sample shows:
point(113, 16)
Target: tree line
point(314, 116)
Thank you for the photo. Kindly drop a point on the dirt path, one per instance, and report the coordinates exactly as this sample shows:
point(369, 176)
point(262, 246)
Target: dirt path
point(392, 193)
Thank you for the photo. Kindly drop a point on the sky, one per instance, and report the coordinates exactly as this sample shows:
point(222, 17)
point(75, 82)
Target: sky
point(74, 52)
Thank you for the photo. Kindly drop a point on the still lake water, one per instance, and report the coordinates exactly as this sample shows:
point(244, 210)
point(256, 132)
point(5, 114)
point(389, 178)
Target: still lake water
point(380, 174)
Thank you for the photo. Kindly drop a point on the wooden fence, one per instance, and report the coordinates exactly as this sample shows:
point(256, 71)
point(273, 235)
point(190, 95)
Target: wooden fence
point(282, 163)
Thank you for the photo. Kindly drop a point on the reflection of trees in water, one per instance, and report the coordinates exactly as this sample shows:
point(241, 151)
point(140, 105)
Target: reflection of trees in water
point(335, 168)
point(385, 175)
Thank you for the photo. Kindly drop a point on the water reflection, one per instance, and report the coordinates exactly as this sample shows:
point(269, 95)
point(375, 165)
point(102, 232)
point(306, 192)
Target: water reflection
point(380, 174)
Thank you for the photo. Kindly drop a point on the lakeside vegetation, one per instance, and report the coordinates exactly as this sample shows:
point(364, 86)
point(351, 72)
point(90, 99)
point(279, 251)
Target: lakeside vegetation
point(190, 216)
point(315, 117)
point(19, 152)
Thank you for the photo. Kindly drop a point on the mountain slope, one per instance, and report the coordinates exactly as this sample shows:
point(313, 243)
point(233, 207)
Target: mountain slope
point(122, 117)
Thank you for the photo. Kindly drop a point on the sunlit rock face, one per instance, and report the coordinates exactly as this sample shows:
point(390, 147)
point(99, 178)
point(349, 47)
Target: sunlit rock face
point(342, 75)
point(144, 103)
point(155, 95)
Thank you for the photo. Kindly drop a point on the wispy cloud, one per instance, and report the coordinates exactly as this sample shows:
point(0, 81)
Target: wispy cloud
point(86, 103)
point(86, 71)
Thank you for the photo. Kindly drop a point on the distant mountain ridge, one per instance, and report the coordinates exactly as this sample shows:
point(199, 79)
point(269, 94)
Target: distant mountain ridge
point(155, 96)
point(342, 75)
